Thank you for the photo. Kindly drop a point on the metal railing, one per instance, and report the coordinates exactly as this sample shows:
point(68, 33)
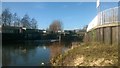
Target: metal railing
point(107, 16)
point(111, 15)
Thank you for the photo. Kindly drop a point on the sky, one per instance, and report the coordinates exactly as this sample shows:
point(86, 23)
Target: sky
point(73, 15)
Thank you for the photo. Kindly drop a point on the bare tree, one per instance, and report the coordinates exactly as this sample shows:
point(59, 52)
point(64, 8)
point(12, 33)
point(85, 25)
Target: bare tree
point(6, 17)
point(25, 21)
point(56, 26)
point(16, 20)
point(33, 23)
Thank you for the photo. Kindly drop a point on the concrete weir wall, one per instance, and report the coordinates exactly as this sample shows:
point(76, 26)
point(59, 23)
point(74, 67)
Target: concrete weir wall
point(105, 27)
point(107, 34)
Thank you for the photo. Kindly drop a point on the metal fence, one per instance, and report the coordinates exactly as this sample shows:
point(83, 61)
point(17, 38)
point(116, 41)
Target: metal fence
point(108, 34)
point(107, 16)
point(111, 15)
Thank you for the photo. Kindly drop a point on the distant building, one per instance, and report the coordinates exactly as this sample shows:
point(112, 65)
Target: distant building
point(11, 29)
point(68, 31)
point(85, 27)
point(31, 31)
point(44, 31)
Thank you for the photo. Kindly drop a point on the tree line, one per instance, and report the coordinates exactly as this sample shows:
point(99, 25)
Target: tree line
point(12, 19)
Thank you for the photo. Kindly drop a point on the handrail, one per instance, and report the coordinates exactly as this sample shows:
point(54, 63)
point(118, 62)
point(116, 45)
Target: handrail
point(107, 16)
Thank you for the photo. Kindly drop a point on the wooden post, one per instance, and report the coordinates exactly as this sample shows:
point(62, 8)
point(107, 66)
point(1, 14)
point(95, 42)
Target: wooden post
point(110, 35)
point(118, 35)
point(99, 34)
point(102, 35)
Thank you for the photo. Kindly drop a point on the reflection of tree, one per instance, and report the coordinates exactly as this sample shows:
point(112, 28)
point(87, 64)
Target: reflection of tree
point(55, 49)
point(6, 57)
point(27, 49)
point(11, 53)
point(67, 44)
point(21, 53)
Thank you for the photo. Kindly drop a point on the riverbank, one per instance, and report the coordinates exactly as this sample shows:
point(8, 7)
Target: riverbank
point(93, 54)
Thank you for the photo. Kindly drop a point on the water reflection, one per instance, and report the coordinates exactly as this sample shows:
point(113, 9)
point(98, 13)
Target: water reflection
point(31, 53)
point(55, 49)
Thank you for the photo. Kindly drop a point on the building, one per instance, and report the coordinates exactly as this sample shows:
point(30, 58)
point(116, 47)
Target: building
point(11, 29)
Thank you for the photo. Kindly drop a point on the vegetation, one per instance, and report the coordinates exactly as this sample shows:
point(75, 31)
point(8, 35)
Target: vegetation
point(56, 26)
point(12, 19)
point(94, 54)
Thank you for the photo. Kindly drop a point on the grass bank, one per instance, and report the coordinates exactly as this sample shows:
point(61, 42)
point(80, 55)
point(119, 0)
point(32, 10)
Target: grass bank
point(92, 54)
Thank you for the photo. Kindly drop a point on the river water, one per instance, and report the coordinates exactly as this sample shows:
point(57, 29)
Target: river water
point(32, 53)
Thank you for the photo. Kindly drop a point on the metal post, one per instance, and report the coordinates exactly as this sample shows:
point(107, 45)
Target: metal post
point(98, 13)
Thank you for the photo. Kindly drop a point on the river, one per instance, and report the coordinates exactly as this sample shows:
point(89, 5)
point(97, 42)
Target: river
point(32, 53)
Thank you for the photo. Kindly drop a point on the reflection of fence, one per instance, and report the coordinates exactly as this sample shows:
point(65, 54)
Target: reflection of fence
point(105, 27)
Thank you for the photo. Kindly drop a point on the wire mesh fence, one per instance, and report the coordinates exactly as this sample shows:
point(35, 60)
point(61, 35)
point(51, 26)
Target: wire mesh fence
point(108, 16)
point(111, 15)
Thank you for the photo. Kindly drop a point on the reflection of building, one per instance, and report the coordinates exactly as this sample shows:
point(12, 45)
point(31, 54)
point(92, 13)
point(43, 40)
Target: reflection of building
point(6, 56)
point(0, 28)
